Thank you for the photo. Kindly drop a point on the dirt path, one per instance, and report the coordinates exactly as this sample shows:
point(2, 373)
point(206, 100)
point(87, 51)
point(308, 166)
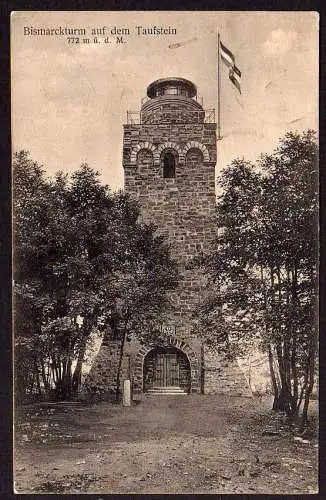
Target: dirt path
point(180, 444)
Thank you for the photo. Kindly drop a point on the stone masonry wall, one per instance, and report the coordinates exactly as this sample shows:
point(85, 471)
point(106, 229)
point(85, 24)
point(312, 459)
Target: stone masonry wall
point(223, 376)
point(183, 207)
point(102, 376)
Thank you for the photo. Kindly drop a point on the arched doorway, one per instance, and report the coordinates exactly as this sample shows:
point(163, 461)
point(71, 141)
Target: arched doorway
point(166, 367)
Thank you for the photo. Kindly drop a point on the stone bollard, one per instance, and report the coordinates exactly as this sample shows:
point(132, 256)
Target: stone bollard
point(126, 401)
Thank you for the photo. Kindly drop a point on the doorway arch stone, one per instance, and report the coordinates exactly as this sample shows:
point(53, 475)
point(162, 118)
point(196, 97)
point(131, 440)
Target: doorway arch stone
point(170, 341)
point(166, 367)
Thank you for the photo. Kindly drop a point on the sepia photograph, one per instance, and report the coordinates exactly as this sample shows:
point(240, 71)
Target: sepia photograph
point(165, 185)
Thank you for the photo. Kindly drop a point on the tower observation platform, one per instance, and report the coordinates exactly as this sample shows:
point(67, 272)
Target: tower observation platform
point(171, 100)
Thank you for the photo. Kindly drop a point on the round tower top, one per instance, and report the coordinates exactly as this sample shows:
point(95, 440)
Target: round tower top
point(171, 86)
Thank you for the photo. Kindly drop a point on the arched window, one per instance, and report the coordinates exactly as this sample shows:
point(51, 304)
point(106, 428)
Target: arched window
point(168, 165)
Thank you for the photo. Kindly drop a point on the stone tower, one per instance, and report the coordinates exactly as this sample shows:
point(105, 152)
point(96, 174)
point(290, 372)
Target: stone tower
point(169, 157)
point(169, 164)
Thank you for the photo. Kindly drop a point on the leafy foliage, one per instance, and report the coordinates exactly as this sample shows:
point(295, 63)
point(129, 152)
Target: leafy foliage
point(82, 261)
point(263, 266)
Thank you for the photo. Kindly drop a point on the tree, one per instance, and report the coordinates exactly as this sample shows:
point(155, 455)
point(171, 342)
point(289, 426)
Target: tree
point(31, 206)
point(264, 263)
point(291, 256)
point(82, 261)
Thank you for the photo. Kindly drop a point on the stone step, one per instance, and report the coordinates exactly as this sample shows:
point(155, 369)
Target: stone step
point(166, 391)
point(166, 388)
point(162, 393)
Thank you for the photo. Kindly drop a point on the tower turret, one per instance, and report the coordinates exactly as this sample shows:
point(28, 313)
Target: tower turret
point(172, 100)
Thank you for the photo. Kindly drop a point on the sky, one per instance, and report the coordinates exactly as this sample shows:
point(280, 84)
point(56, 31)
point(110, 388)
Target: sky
point(69, 101)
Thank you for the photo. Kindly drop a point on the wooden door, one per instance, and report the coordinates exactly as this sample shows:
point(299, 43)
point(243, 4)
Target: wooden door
point(166, 371)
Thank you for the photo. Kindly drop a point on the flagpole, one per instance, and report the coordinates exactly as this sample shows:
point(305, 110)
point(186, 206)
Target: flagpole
point(218, 89)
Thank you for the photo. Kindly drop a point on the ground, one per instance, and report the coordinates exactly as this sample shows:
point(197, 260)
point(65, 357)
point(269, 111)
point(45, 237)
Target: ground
point(168, 444)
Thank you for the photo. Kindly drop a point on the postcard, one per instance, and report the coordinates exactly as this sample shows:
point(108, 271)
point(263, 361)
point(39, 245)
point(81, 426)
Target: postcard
point(165, 208)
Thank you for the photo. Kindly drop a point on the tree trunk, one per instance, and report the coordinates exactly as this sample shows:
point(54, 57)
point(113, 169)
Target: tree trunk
point(44, 378)
point(287, 376)
point(283, 402)
point(302, 391)
point(121, 352)
point(304, 414)
point(312, 354)
point(284, 355)
point(295, 303)
point(273, 376)
point(48, 377)
point(295, 395)
point(249, 371)
point(31, 386)
point(275, 384)
point(37, 374)
point(67, 376)
point(55, 371)
point(76, 378)
point(69, 380)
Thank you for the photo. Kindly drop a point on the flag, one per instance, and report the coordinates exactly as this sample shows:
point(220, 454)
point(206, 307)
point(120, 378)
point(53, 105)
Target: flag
point(226, 55)
point(229, 60)
point(235, 77)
